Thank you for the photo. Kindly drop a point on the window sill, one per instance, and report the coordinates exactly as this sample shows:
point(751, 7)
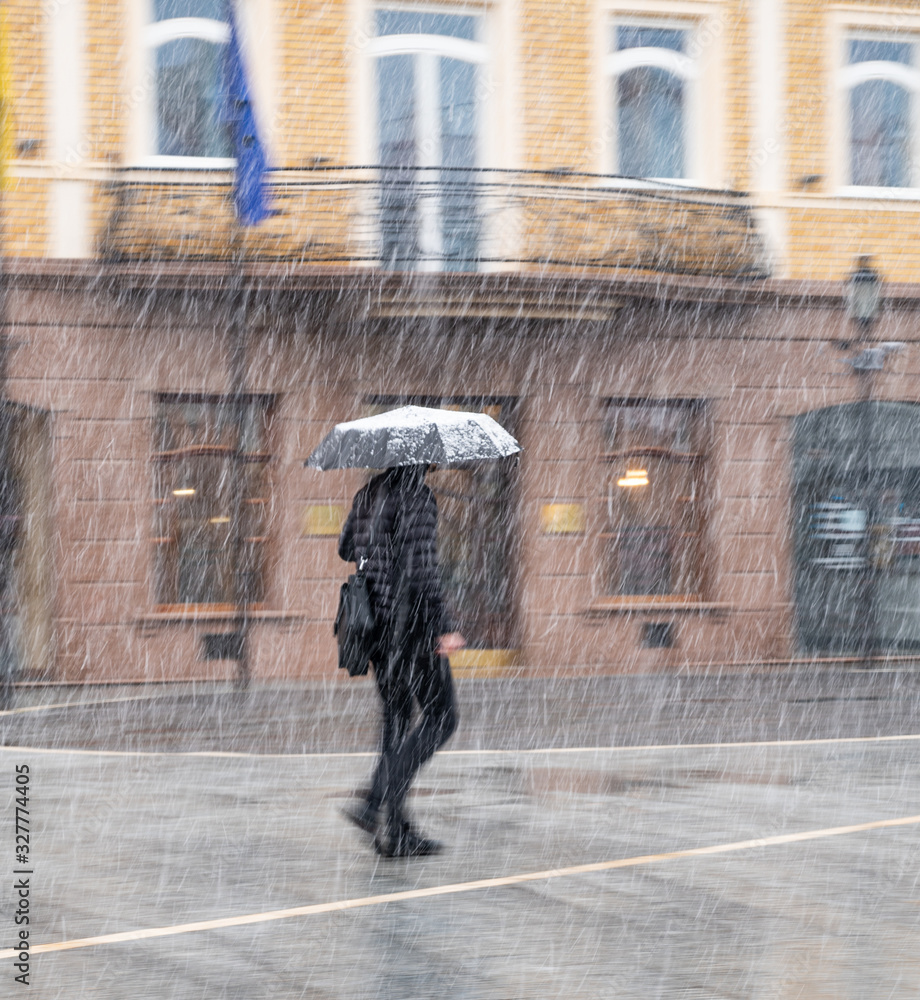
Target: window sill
point(655, 184)
point(199, 163)
point(202, 614)
point(880, 193)
point(670, 604)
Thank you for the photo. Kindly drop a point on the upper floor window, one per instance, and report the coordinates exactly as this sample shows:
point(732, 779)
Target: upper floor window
point(655, 454)
point(428, 128)
point(651, 76)
point(185, 41)
point(882, 79)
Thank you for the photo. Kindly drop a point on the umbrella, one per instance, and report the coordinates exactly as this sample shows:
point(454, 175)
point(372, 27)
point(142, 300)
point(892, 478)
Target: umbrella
point(413, 435)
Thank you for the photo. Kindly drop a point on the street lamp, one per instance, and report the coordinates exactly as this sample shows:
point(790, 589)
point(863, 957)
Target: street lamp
point(864, 293)
point(864, 288)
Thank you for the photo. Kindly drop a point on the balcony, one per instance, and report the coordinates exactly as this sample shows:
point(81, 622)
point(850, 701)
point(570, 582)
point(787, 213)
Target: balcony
point(437, 220)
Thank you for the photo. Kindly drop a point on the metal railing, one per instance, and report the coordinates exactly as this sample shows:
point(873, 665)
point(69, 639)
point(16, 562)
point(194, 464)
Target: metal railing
point(439, 220)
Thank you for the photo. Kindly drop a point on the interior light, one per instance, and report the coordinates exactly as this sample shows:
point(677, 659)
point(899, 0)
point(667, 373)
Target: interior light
point(634, 477)
point(186, 492)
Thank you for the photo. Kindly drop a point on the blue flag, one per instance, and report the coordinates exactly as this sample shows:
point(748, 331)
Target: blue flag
point(250, 189)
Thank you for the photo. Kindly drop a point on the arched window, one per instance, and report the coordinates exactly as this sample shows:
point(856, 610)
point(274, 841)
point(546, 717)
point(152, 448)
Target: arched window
point(184, 42)
point(428, 124)
point(881, 81)
point(651, 76)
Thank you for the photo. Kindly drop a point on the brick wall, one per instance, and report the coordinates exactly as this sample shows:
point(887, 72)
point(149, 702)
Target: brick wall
point(25, 206)
point(556, 85)
point(319, 49)
point(739, 107)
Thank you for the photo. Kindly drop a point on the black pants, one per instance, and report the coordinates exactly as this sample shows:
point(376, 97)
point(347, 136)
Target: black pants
point(408, 671)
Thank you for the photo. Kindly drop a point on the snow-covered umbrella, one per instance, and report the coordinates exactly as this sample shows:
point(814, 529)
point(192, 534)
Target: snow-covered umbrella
point(413, 435)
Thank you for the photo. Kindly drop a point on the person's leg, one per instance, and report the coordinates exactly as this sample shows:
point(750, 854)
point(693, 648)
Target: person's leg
point(396, 717)
point(432, 685)
point(396, 700)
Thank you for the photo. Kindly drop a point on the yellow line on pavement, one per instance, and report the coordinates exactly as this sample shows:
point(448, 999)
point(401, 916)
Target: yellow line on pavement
point(79, 704)
point(525, 752)
point(457, 887)
point(683, 746)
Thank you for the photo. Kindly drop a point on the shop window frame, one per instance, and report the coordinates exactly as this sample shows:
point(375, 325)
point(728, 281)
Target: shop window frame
point(690, 583)
point(165, 556)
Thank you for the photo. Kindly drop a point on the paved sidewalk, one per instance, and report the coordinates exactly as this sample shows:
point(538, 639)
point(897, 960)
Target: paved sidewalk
point(774, 870)
point(516, 714)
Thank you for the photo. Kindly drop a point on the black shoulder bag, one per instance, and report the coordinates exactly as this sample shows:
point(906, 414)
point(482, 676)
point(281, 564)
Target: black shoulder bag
point(355, 626)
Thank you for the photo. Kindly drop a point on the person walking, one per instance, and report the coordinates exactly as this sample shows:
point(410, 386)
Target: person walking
point(393, 525)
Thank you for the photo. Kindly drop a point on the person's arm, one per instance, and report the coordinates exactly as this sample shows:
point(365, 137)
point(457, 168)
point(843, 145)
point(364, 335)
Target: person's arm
point(347, 538)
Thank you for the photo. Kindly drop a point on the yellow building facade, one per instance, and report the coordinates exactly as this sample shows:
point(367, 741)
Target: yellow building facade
point(766, 107)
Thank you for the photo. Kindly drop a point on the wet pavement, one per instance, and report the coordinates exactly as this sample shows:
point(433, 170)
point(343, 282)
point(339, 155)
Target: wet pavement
point(341, 716)
point(739, 836)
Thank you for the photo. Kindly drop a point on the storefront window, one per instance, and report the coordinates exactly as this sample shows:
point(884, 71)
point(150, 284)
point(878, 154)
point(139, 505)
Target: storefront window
point(655, 460)
point(477, 537)
point(194, 504)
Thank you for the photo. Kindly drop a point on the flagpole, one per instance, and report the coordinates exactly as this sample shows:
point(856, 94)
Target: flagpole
point(250, 203)
point(8, 511)
point(239, 319)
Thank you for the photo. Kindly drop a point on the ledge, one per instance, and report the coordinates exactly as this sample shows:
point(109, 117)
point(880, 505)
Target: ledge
point(655, 605)
point(204, 616)
point(546, 289)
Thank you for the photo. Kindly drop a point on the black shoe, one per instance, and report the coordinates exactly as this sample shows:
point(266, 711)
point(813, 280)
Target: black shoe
point(406, 843)
point(364, 816)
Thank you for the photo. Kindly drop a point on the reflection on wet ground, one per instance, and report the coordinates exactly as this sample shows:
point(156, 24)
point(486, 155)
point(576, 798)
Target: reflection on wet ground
point(513, 713)
point(773, 870)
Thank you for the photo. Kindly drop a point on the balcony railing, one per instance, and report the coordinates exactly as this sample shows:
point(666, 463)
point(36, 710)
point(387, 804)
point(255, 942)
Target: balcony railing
point(437, 220)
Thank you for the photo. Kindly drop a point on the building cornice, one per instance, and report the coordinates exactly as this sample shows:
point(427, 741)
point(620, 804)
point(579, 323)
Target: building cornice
point(522, 294)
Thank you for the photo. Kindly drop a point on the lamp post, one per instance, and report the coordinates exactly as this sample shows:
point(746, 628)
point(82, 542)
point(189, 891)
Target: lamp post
point(864, 288)
point(864, 293)
point(9, 498)
point(239, 328)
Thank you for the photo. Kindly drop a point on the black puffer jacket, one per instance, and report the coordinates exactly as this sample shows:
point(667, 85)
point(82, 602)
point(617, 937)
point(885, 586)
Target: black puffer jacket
point(402, 563)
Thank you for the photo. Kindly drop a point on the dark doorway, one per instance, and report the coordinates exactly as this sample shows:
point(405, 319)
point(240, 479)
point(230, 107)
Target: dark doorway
point(857, 527)
point(26, 547)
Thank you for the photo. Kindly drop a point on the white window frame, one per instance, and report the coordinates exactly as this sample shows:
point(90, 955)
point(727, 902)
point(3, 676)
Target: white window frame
point(428, 49)
point(140, 82)
point(160, 33)
point(900, 27)
point(702, 72)
point(371, 46)
point(680, 65)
